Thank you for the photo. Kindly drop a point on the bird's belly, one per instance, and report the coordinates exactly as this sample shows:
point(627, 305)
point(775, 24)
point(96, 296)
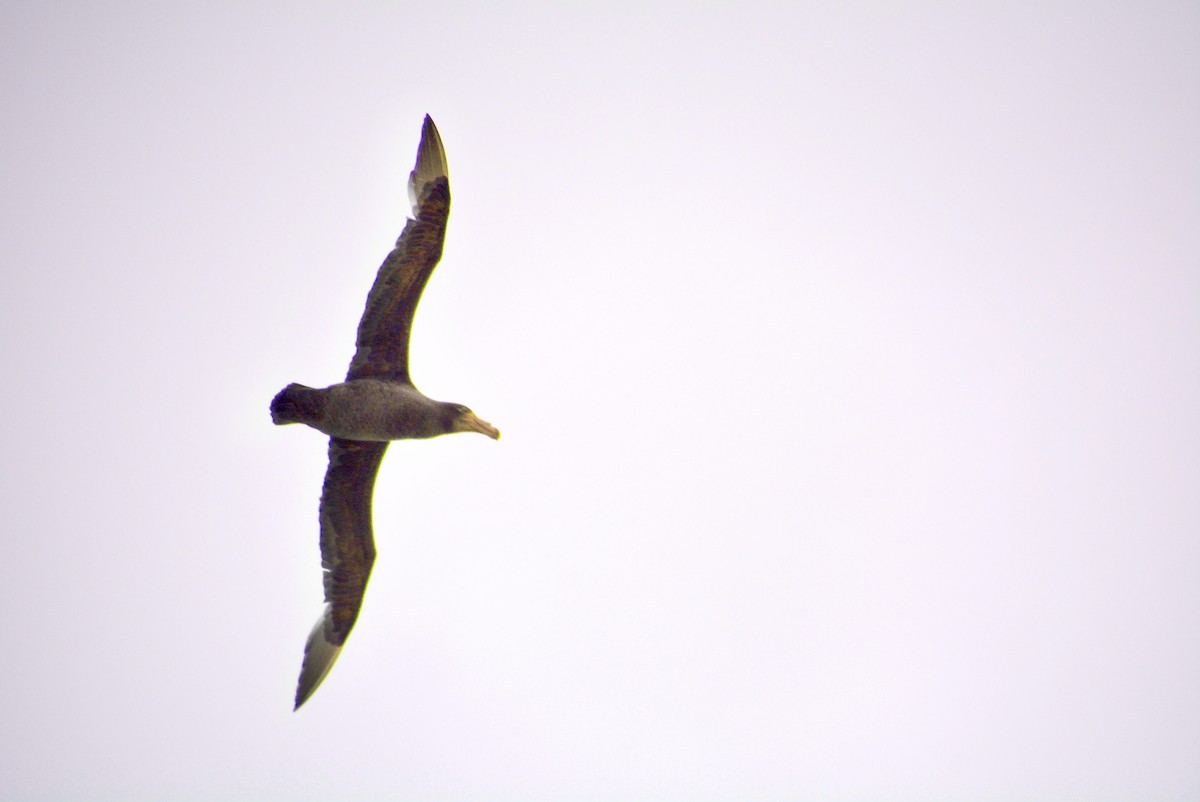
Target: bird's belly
point(366, 409)
point(351, 428)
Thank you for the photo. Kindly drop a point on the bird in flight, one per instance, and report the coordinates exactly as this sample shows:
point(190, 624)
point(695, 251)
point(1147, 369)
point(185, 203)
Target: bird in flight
point(375, 404)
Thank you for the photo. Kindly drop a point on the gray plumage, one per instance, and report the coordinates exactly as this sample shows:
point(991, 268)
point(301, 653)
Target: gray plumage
point(376, 404)
point(371, 409)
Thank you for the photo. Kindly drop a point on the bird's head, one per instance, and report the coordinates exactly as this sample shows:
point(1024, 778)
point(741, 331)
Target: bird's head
point(461, 419)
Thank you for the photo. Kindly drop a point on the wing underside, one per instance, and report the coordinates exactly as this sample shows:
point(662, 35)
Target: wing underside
point(347, 540)
point(383, 333)
point(347, 553)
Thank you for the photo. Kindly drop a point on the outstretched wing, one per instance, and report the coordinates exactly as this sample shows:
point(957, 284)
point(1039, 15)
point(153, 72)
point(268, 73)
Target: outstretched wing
point(347, 553)
point(383, 332)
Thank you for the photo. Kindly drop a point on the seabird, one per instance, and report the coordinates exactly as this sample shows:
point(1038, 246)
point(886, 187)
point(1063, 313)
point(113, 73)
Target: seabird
point(375, 404)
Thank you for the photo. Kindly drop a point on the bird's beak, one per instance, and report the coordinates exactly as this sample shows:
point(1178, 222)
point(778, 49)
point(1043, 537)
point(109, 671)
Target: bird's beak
point(470, 423)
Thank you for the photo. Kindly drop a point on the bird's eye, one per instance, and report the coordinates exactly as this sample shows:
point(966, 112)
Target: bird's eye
point(461, 409)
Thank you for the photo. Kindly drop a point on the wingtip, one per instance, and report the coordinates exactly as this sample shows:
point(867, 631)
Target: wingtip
point(431, 163)
point(431, 154)
point(319, 657)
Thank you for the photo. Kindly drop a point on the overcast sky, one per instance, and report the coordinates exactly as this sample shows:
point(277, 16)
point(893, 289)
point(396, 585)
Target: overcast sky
point(847, 357)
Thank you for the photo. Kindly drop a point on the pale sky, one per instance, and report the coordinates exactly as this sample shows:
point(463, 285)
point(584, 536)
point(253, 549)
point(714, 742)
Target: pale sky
point(846, 356)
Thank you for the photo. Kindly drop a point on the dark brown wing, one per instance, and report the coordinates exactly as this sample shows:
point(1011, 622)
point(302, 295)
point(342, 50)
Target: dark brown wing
point(383, 332)
point(347, 553)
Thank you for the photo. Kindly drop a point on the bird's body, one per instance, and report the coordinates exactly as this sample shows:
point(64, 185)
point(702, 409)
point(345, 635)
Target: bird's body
point(376, 403)
point(372, 409)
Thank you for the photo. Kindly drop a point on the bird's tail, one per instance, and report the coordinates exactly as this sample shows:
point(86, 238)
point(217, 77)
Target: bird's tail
point(297, 404)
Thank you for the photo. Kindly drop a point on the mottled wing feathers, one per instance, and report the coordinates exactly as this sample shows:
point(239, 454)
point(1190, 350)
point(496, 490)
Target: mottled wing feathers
point(347, 553)
point(383, 332)
point(347, 541)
